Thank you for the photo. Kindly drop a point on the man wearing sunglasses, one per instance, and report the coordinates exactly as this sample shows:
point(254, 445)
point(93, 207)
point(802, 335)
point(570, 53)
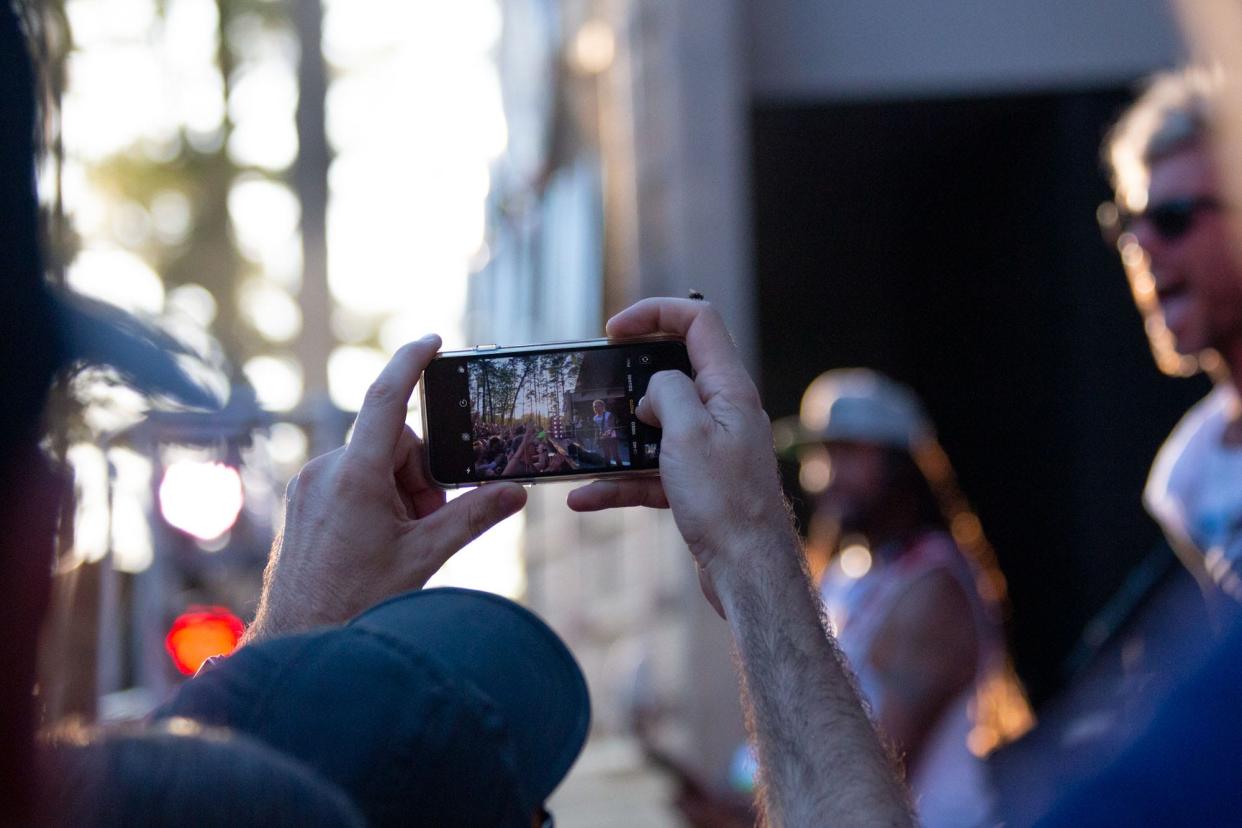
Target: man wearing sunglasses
point(1173, 228)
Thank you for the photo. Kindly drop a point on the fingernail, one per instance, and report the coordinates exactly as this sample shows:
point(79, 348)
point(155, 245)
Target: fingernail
point(429, 338)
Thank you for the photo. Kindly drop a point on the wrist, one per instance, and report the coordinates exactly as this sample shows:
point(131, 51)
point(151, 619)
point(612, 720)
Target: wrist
point(758, 566)
point(264, 626)
point(276, 617)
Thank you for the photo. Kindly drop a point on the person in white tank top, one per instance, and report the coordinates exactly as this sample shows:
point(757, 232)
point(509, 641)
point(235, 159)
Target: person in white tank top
point(907, 605)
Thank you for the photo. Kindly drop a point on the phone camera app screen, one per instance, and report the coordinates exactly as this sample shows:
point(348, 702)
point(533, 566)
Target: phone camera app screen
point(556, 413)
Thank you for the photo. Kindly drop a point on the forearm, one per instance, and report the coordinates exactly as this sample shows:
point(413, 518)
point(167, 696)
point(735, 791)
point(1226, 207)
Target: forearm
point(822, 762)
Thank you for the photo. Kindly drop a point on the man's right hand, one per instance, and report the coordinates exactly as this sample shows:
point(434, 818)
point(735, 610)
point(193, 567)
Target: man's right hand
point(717, 465)
point(822, 763)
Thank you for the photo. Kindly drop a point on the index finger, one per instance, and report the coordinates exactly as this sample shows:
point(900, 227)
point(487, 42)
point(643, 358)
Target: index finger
point(616, 494)
point(708, 342)
point(381, 419)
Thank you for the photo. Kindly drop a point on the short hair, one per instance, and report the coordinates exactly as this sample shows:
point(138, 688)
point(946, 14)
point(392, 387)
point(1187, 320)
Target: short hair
point(1177, 110)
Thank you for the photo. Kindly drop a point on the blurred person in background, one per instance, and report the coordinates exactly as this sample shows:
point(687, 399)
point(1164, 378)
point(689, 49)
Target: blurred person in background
point(919, 621)
point(1175, 229)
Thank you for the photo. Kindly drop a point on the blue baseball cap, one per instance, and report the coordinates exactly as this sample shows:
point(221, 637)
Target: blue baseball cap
point(441, 706)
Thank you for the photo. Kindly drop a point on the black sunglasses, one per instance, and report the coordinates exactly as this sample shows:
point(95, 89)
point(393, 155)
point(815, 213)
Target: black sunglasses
point(1170, 219)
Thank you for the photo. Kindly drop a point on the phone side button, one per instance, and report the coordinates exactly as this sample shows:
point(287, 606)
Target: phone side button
point(491, 346)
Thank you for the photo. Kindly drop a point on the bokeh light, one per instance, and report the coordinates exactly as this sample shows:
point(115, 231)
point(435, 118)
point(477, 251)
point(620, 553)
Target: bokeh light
point(855, 561)
point(270, 310)
point(351, 370)
point(132, 547)
point(815, 472)
point(277, 381)
point(119, 277)
point(194, 302)
point(200, 634)
point(91, 511)
point(287, 444)
point(200, 498)
point(262, 104)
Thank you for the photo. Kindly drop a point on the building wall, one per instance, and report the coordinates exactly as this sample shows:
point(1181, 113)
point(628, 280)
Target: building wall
point(809, 49)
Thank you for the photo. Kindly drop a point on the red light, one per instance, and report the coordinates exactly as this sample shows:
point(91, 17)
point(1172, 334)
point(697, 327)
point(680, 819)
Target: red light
point(201, 633)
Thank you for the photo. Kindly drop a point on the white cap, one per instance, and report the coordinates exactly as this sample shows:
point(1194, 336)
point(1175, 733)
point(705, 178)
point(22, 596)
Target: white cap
point(861, 406)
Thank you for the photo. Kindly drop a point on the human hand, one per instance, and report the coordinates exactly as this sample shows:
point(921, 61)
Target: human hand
point(363, 522)
point(717, 464)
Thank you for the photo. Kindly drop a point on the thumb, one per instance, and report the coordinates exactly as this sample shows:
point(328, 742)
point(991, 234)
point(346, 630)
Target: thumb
point(441, 534)
point(672, 402)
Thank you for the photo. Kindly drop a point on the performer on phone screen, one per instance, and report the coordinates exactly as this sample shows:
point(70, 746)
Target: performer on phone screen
point(606, 433)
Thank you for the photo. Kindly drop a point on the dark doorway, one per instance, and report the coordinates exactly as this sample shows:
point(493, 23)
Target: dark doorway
point(952, 244)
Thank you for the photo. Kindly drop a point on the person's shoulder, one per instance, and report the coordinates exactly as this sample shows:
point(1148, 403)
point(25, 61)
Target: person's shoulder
point(1195, 435)
point(1202, 420)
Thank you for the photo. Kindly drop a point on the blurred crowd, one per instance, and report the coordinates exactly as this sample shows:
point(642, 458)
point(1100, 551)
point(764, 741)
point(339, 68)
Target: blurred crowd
point(524, 450)
point(878, 683)
point(529, 450)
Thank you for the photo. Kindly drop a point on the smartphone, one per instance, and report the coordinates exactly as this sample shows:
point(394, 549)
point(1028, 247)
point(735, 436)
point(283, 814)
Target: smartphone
point(558, 411)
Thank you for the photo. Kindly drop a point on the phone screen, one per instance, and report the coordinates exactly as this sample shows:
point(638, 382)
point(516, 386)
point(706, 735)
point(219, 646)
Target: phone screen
point(543, 412)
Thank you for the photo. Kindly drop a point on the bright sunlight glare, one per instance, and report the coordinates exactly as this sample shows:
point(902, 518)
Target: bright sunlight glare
point(406, 217)
point(201, 499)
point(414, 120)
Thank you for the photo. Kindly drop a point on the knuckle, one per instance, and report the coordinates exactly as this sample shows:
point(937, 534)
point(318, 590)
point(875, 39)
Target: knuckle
point(316, 466)
point(350, 477)
point(476, 520)
point(310, 478)
point(743, 394)
point(380, 393)
point(703, 428)
point(662, 381)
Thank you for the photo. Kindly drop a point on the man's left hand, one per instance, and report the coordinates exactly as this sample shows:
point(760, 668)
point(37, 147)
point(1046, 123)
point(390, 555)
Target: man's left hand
point(363, 523)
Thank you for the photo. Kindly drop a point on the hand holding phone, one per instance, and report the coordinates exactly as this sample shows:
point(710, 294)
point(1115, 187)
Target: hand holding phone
point(717, 465)
point(363, 523)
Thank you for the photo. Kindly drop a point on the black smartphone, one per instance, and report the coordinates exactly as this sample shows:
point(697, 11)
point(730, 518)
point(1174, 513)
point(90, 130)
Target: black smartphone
point(563, 410)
